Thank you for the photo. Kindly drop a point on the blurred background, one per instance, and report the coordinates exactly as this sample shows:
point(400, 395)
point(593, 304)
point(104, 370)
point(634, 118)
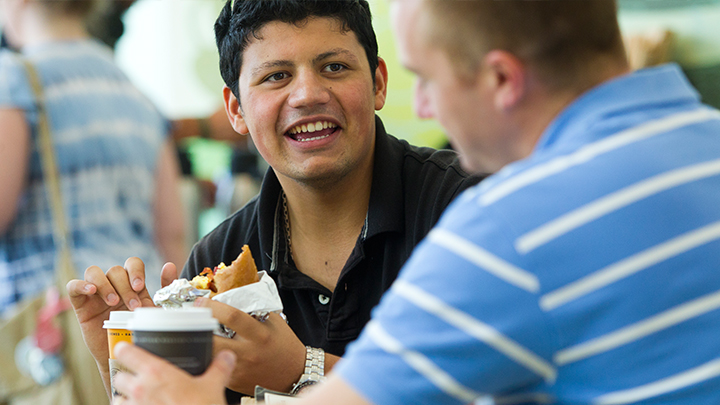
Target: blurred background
point(167, 49)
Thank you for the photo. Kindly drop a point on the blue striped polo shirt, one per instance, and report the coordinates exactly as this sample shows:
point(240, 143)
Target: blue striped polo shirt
point(107, 139)
point(588, 273)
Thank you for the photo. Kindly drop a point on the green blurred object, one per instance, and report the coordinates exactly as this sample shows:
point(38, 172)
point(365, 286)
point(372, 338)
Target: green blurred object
point(398, 115)
point(662, 4)
point(208, 161)
point(209, 220)
point(209, 158)
point(706, 80)
point(696, 43)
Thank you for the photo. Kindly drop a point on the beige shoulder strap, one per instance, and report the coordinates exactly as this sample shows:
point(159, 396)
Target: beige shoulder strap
point(64, 271)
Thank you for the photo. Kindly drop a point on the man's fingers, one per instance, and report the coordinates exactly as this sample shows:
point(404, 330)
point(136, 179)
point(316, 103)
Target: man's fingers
point(146, 372)
point(119, 400)
point(220, 370)
point(168, 274)
point(136, 273)
point(78, 290)
point(124, 383)
point(231, 317)
point(138, 360)
point(153, 380)
point(120, 280)
point(275, 319)
point(105, 289)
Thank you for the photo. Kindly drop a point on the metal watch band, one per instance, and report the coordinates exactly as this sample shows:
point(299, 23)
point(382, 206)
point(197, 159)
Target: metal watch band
point(314, 362)
point(314, 369)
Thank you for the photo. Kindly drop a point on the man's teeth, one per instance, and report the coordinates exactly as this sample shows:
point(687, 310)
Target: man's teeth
point(315, 138)
point(312, 127)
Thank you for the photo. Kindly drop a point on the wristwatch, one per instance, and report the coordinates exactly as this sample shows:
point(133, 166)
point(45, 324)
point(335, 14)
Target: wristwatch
point(314, 369)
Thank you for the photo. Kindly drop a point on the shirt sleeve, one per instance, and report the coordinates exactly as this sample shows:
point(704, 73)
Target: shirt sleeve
point(15, 91)
point(460, 323)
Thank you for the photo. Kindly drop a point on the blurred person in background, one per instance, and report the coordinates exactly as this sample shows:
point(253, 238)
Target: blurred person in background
point(105, 22)
point(118, 168)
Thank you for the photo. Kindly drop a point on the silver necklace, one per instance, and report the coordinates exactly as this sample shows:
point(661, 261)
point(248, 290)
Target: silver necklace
point(287, 223)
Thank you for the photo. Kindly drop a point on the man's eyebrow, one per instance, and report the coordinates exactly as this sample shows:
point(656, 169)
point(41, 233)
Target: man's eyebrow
point(274, 64)
point(335, 53)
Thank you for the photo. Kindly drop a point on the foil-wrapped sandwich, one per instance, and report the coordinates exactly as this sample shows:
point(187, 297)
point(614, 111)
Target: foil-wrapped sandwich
point(239, 285)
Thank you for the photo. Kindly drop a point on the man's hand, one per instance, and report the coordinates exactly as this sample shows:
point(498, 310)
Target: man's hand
point(121, 288)
point(168, 274)
point(268, 353)
point(157, 382)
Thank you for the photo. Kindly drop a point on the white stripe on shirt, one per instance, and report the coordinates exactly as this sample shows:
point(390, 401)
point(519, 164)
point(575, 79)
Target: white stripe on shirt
point(687, 378)
point(63, 53)
point(485, 260)
point(94, 87)
point(639, 330)
point(630, 265)
point(117, 128)
point(612, 202)
point(590, 151)
point(473, 327)
point(420, 363)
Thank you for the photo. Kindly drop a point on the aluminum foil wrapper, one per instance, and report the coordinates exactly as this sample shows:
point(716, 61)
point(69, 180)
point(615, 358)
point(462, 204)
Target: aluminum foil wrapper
point(178, 294)
point(257, 299)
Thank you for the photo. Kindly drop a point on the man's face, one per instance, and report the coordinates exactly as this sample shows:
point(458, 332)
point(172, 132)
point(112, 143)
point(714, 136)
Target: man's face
point(308, 100)
point(461, 106)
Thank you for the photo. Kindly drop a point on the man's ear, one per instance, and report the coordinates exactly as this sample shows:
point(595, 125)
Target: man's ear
point(381, 80)
point(507, 77)
point(234, 112)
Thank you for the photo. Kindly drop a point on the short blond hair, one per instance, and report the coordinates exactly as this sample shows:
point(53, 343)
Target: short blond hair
point(559, 38)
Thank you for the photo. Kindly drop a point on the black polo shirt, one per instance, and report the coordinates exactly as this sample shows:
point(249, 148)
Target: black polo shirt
point(411, 187)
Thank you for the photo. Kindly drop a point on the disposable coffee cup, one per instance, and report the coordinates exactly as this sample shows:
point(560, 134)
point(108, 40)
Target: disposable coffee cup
point(117, 331)
point(181, 336)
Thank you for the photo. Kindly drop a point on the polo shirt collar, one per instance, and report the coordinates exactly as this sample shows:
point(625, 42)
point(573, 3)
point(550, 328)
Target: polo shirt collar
point(270, 218)
point(663, 85)
point(387, 200)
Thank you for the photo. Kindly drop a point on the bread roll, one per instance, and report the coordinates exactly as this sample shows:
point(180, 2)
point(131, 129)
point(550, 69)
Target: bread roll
point(242, 271)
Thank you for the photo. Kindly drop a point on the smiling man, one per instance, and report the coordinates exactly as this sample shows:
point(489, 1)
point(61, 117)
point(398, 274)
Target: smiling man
point(344, 203)
point(341, 207)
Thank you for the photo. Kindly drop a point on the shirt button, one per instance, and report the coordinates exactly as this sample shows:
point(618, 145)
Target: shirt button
point(323, 299)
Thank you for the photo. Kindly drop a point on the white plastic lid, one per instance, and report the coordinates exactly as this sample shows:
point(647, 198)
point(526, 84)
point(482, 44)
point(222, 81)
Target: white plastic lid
point(175, 320)
point(118, 320)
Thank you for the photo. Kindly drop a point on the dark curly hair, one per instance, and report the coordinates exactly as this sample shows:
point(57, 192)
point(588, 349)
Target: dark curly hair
point(238, 21)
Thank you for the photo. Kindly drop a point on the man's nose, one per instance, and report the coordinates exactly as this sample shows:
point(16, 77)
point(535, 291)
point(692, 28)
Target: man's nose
point(308, 89)
point(421, 102)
